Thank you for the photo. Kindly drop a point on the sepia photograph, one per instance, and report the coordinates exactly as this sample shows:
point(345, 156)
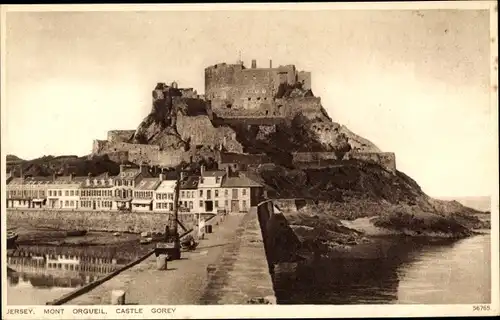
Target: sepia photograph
point(214, 160)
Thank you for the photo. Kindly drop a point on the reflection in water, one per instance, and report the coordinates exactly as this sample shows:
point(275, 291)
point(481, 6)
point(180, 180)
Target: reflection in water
point(38, 270)
point(410, 271)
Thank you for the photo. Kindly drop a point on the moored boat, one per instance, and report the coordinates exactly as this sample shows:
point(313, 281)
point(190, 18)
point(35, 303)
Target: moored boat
point(76, 233)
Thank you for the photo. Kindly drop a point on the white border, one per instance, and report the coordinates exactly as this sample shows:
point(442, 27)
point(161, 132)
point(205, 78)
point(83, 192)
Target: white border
point(275, 311)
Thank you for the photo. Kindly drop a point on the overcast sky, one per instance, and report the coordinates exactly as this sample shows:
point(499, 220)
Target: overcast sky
point(413, 82)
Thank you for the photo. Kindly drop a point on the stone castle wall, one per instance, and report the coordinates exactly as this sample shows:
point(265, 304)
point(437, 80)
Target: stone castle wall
point(310, 107)
point(120, 135)
point(236, 87)
point(386, 160)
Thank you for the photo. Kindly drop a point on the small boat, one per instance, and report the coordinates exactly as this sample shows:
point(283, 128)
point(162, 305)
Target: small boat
point(146, 240)
point(76, 233)
point(11, 238)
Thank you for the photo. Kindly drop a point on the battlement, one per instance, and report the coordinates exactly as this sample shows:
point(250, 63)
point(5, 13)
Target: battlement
point(232, 86)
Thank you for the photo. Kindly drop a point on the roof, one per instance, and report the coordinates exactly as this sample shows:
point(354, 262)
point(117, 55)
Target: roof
point(240, 181)
point(166, 186)
point(191, 182)
point(101, 182)
point(148, 184)
point(64, 180)
point(130, 173)
point(31, 181)
point(216, 173)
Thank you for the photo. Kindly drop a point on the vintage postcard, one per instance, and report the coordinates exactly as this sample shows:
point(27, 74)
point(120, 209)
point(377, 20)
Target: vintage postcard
point(249, 160)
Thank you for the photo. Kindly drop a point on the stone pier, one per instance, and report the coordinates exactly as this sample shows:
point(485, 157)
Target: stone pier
point(235, 255)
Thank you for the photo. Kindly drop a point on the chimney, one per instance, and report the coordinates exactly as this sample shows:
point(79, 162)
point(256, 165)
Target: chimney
point(53, 177)
point(162, 177)
point(143, 168)
point(183, 175)
point(202, 169)
point(122, 168)
point(254, 64)
point(270, 63)
point(228, 171)
point(70, 177)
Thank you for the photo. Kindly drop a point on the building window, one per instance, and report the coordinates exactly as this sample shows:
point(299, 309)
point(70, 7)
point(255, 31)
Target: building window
point(244, 192)
point(235, 193)
point(182, 194)
point(226, 192)
point(209, 194)
point(60, 193)
point(170, 206)
point(216, 203)
point(72, 203)
point(190, 204)
point(201, 204)
point(66, 203)
point(72, 193)
point(216, 193)
point(244, 204)
point(226, 203)
point(201, 193)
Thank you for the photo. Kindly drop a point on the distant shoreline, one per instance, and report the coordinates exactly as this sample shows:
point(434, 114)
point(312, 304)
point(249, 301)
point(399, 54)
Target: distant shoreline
point(481, 203)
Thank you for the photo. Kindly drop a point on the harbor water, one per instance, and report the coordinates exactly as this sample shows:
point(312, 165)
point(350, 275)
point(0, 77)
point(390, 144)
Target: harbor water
point(410, 271)
point(38, 274)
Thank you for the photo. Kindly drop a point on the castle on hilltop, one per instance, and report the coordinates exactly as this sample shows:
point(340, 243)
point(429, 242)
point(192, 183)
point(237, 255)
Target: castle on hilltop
point(236, 91)
point(184, 125)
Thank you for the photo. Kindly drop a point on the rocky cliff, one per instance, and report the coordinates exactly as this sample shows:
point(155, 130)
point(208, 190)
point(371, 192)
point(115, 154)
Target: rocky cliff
point(348, 190)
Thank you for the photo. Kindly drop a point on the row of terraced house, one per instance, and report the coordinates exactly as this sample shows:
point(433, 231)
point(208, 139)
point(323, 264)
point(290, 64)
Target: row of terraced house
point(136, 189)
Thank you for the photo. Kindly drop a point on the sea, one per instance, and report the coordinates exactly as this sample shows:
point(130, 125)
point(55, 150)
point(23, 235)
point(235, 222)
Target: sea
point(407, 271)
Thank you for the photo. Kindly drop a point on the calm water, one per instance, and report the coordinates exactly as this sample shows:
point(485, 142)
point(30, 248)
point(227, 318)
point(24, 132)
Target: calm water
point(40, 274)
point(409, 272)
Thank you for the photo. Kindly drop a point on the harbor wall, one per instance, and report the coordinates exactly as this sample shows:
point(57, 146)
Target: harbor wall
point(280, 242)
point(111, 221)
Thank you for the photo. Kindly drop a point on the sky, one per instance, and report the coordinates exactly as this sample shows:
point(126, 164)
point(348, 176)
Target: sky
point(416, 83)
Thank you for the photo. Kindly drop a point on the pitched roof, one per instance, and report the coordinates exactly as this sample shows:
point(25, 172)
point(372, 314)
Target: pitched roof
point(240, 181)
point(101, 183)
point(31, 181)
point(215, 173)
point(148, 184)
point(191, 182)
point(166, 185)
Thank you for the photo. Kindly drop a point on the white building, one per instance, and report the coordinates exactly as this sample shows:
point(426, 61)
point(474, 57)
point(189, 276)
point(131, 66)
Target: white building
point(144, 193)
point(188, 194)
point(241, 193)
point(64, 192)
point(210, 195)
point(163, 196)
